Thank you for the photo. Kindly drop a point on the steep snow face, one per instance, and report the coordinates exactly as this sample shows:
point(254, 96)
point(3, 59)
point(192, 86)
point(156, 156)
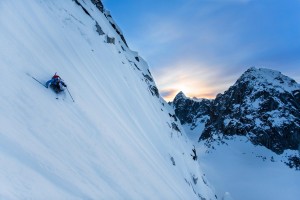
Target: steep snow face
point(118, 140)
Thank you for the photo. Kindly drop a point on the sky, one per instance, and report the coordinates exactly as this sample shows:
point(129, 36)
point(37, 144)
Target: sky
point(201, 47)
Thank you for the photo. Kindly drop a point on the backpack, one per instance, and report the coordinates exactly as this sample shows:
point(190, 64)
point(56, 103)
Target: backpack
point(55, 76)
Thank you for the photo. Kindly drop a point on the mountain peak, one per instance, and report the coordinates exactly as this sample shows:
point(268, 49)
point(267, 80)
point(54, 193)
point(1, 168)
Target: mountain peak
point(267, 79)
point(262, 104)
point(180, 95)
point(262, 72)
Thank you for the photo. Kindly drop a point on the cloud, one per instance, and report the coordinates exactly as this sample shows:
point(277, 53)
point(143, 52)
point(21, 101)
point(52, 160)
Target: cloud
point(168, 94)
point(162, 31)
point(194, 78)
point(232, 1)
point(203, 46)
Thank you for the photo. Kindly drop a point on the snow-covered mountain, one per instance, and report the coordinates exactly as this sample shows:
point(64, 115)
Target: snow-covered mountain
point(118, 140)
point(252, 132)
point(264, 105)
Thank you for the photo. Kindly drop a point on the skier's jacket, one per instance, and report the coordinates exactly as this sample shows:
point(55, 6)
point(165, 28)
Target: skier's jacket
point(56, 81)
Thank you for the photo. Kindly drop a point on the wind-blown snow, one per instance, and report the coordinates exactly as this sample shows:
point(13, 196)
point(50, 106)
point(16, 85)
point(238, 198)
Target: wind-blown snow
point(114, 142)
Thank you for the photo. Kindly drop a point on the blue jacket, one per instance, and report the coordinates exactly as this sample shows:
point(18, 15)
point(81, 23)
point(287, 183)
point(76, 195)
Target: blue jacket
point(54, 81)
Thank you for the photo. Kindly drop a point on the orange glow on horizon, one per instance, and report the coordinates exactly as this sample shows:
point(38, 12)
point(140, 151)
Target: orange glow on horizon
point(194, 79)
point(171, 95)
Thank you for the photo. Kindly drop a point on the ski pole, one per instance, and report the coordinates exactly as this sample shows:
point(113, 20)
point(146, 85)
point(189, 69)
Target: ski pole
point(37, 80)
point(70, 94)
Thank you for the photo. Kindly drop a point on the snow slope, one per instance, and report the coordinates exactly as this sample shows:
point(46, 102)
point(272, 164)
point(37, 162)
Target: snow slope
point(117, 141)
point(241, 170)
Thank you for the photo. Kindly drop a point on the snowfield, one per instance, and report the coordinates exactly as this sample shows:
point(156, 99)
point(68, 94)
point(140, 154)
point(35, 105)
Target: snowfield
point(240, 170)
point(115, 141)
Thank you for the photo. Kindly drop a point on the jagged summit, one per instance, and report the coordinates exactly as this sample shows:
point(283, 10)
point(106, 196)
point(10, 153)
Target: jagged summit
point(180, 95)
point(263, 104)
point(262, 78)
point(192, 113)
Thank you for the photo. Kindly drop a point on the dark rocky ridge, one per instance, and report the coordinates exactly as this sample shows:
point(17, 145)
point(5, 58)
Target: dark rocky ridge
point(263, 105)
point(191, 111)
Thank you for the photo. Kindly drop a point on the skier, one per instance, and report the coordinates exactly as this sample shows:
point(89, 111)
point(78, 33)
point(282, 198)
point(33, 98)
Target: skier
point(56, 83)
